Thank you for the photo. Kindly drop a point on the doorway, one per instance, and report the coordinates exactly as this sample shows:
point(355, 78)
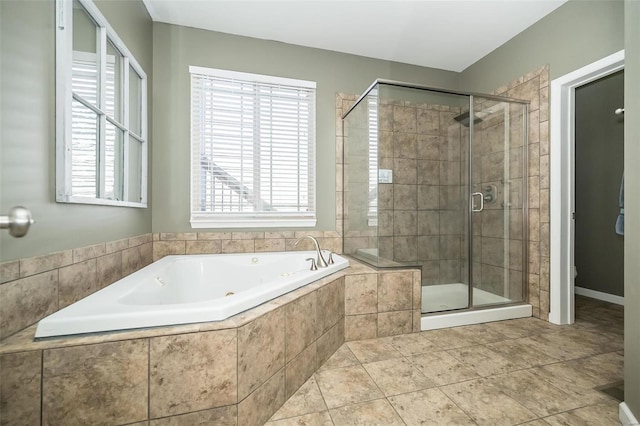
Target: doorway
point(562, 150)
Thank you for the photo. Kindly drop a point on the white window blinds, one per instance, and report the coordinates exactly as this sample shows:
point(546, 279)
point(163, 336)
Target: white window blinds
point(252, 150)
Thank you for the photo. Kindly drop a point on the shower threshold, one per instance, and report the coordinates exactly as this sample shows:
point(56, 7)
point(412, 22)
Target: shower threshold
point(447, 299)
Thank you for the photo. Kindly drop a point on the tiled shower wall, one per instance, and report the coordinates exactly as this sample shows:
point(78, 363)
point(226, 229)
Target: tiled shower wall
point(534, 87)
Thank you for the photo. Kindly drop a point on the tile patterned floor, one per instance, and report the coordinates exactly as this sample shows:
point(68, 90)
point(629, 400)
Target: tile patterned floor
point(524, 371)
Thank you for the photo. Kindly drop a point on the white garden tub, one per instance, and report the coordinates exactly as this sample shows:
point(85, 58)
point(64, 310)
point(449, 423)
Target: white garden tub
point(188, 289)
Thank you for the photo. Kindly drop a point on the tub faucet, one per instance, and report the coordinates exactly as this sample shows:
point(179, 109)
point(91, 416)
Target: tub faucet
point(320, 261)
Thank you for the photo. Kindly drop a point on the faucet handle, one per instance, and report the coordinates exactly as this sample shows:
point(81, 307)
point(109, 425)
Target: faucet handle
point(330, 260)
point(313, 264)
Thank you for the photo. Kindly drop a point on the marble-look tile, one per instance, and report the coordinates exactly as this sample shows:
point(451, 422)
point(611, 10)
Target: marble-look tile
point(214, 235)
point(108, 269)
point(429, 407)
point(136, 258)
point(166, 248)
point(605, 368)
point(9, 271)
point(96, 384)
point(346, 385)
point(203, 247)
point(395, 291)
point(397, 376)
point(238, 246)
point(330, 305)
point(261, 346)
point(378, 412)
point(26, 301)
point(271, 245)
point(482, 360)
point(599, 414)
point(300, 324)
point(306, 400)
point(139, 240)
point(404, 119)
point(442, 368)
point(191, 372)
point(178, 236)
point(361, 294)
point(115, 246)
point(343, 357)
point(300, 368)
point(395, 323)
point(89, 252)
point(76, 282)
point(260, 405)
point(481, 333)
point(535, 393)
point(518, 328)
point(472, 397)
point(359, 327)
point(520, 354)
point(329, 342)
point(20, 375)
point(34, 265)
point(223, 416)
point(450, 338)
point(412, 344)
point(373, 350)
point(314, 419)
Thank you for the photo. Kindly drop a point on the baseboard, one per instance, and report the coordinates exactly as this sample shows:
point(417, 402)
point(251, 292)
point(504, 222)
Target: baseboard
point(611, 298)
point(626, 416)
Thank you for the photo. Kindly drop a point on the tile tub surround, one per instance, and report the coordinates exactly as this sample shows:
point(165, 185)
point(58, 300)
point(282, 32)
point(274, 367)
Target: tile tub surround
point(33, 288)
point(236, 371)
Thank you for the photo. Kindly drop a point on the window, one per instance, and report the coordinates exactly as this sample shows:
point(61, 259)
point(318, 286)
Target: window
point(101, 129)
point(252, 150)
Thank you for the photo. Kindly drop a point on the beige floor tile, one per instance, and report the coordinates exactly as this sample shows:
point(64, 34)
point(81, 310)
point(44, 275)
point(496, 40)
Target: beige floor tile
point(412, 344)
point(429, 407)
point(520, 354)
point(346, 385)
point(373, 350)
point(592, 415)
point(396, 376)
point(537, 422)
point(482, 333)
point(450, 338)
point(482, 360)
point(487, 405)
point(378, 412)
point(604, 368)
point(522, 327)
point(343, 357)
point(535, 393)
point(314, 419)
point(442, 368)
point(307, 399)
point(571, 380)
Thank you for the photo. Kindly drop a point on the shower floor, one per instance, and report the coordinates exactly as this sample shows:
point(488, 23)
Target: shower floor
point(445, 297)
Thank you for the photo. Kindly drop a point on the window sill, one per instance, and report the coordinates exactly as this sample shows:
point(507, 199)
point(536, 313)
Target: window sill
point(219, 223)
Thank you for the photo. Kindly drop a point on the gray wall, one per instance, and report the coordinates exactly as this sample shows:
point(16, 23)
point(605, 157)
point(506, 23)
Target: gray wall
point(632, 208)
point(599, 251)
point(27, 117)
point(577, 33)
point(175, 48)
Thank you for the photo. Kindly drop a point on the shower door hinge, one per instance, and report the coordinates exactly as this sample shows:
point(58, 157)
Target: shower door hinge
point(573, 215)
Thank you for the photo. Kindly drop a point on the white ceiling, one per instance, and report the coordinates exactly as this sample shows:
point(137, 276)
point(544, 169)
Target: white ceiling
point(445, 34)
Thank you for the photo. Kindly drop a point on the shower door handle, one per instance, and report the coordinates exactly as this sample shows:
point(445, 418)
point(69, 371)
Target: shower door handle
point(473, 204)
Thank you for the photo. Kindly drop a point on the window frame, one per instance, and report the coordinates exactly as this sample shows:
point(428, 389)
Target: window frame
point(260, 219)
point(65, 97)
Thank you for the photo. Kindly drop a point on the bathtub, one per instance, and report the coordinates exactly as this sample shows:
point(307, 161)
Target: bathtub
point(188, 289)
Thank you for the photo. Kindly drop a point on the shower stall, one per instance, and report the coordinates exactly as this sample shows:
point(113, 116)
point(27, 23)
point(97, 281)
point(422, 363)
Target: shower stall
point(437, 179)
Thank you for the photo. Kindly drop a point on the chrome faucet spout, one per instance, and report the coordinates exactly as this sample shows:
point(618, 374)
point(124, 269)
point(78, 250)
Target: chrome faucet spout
point(320, 261)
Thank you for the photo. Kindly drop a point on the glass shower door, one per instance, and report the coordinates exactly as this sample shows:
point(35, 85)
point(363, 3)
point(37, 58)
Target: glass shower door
point(498, 201)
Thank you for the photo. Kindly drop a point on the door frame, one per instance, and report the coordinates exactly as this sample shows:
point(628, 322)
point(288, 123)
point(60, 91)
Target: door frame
point(562, 191)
